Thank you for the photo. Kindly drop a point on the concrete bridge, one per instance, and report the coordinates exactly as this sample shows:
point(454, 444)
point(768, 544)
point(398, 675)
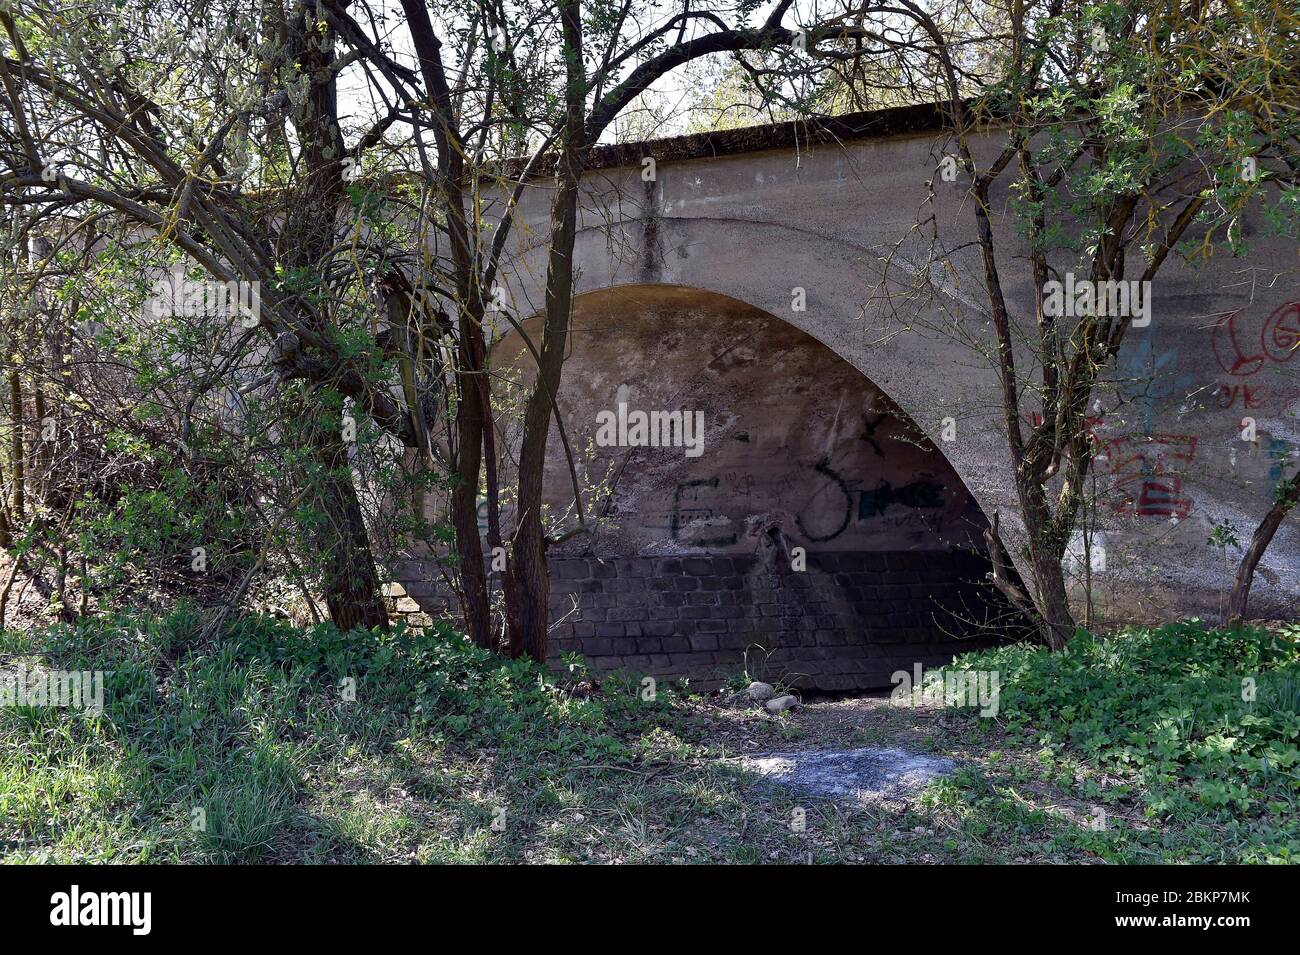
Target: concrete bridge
point(767, 278)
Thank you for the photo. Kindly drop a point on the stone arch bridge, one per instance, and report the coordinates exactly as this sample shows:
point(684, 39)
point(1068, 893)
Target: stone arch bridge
point(768, 281)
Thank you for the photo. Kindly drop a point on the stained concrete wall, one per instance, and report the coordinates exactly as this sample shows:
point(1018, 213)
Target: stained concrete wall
point(827, 218)
point(794, 440)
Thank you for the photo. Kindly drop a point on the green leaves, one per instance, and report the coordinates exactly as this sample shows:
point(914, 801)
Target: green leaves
point(1166, 706)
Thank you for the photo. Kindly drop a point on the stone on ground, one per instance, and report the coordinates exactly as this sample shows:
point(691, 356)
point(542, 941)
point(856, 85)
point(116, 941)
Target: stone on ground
point(758, 692)
point(781, 704)
point(865, 773)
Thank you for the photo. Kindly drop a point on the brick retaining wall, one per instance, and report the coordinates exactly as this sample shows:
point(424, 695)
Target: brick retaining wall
point(847, 622)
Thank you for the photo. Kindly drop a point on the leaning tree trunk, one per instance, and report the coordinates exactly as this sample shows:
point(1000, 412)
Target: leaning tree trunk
point(528, 568)
point(1238, 602)
point(529, 572)
point(473, 408)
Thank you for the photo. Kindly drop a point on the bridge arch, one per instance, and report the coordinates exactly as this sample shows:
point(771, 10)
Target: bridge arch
point(930, 373)
point(779, 512)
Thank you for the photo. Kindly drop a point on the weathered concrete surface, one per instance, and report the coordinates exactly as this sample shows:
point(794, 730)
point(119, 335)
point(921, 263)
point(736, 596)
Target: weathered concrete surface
point(862, 774)
point(796, 446)
point(827, 217)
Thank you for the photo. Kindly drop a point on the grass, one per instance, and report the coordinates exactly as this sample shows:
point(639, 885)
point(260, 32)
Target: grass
point(278, 744)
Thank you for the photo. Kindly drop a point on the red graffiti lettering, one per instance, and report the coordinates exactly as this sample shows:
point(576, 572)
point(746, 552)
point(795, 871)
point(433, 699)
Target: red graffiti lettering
point(1241, 352)
point(1162, 498)
point(1280, 338)
point(1247, 396)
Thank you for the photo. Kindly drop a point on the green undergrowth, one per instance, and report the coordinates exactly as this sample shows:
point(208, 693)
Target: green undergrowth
point(248, 748)
point(1185, 739)
point(270, 743)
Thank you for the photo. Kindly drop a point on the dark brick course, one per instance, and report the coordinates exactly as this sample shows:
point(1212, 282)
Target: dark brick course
point(847, 622)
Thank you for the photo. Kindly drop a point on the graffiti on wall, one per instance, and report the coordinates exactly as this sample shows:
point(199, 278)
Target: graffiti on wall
point(917, 495)
point(690, 509)
point(1243, 345)
point(1145, 473)
point(829, 504)
point(1147, 375)
point(836, 502)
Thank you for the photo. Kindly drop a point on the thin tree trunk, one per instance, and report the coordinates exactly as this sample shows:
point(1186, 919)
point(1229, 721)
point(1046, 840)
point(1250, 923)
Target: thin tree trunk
point(17, 447)
point(531, 575)
point(39, 451)
point(1238, 602)
point(7, 589)
point(472, 404)
point(464, 501)
point(84, 583)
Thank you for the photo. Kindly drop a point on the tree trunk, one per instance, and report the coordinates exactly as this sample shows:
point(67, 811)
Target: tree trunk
point(1057, 624)
point(464, 497)
point(1238, 602)
point(473, 407)
point(352, 589)
point(17, 447)
point(529, 570)
point(352, 586)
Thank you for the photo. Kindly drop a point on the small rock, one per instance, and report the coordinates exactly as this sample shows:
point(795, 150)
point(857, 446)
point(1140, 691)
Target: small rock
point(781, 704)
point(758, 692)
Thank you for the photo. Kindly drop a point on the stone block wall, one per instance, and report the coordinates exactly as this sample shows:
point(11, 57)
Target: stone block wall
point(847, 622)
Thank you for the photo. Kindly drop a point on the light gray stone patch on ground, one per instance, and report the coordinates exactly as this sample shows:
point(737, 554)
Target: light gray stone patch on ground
point(866, 773)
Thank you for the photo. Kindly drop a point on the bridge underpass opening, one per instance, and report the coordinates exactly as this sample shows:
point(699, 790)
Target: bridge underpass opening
point(807, 532)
